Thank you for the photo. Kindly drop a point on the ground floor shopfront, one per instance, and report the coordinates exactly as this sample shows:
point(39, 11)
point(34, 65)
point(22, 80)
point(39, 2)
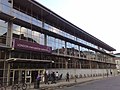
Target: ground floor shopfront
point(26, 70)
point(23, 75)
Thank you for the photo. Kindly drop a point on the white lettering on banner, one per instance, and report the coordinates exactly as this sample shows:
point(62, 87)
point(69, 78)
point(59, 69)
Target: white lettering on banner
point(31, 47)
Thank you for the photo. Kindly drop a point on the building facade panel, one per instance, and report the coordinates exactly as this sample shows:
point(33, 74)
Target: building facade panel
point(30, 43)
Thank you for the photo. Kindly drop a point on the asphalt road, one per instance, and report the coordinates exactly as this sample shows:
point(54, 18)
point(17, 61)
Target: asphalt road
point(110, 83)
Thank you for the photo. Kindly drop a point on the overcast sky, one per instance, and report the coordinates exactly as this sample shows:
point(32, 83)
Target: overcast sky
point(101, 18)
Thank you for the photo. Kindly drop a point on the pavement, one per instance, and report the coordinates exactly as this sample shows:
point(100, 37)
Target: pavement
point(62, 83)
point(111, 83)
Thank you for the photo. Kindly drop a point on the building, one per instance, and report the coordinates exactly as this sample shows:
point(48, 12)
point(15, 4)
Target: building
point(33, 39)
point(117, 61)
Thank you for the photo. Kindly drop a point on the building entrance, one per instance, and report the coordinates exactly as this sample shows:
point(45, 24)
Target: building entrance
point(24, 75)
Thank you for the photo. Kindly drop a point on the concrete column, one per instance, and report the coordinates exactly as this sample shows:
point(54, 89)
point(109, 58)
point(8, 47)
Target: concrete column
point(5, 68)
point(30, 76)
point(13, 77)
point(8, 74)
point(79, 50)
point(9, 34)
point(90, 63)
point(97, 66)
point(9, 43)
point(65, 48)
point(66, 64)
point(80, 65)
point(25, 75)
point(45, 39)
point(20, 76)
point(96, 57)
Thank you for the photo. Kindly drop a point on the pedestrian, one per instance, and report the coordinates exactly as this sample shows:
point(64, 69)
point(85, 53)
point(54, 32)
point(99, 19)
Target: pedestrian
point(56, 75)
point(67, 77)
point(60, 76)
point(49, 78)
point(38, 79)
point(111, 72)
point(107, 74)
point(46, 78)
point(53, 77)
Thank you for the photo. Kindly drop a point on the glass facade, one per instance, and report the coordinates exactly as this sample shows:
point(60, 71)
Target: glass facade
point(58, 46)
point(36, 33)
point(3, 31)
point(20, 32)
point(19, 13)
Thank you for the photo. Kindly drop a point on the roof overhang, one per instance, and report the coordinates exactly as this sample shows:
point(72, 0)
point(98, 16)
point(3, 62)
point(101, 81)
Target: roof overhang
point(52, 18)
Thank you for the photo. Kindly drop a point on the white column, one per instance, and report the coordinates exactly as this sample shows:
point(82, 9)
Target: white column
point(8, 74)
point(9, 34)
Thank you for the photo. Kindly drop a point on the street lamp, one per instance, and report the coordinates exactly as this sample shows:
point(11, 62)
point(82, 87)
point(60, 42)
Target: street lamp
point(53, 62)
point(69, 59)
point(75, 71)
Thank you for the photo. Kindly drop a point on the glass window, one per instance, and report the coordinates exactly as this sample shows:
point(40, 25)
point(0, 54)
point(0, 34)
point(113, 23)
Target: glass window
point(42, 39)
point(16, 31)
point(3, 28)
point(6, 6)
point(61, 47)
point(39, 23)
point(23, 30)
point(36, 37)
point(76, 51)
point(69, 48)
point(3, 31)
point(2, 54)
point(5, 2)
point(46, 26)
point(23, 33)
point(29, 35)
point(16, 27)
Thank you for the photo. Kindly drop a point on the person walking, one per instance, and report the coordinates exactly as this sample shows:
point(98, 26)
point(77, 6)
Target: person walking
point(67, 77)
point(38, 79)
point(56, 75)
point(53, 77)
point(46, 78)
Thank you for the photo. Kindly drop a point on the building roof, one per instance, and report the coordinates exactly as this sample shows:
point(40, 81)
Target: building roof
point(52, 18)
point(117, 54)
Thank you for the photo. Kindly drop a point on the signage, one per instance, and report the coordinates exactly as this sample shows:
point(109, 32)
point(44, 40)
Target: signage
point(25, 45)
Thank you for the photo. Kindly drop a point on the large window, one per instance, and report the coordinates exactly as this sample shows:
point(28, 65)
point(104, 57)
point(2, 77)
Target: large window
point(61, 45)
point(16, 31)
point(58, 46)
point(72, 49)
point(2, 54)
point(36, 37)
point(51, 42)
point(3, 31)
point(85, 64)
point(27, 34)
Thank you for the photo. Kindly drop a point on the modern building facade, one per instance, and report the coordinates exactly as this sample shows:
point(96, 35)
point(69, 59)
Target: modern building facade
point(117, 61)
point(33, 39)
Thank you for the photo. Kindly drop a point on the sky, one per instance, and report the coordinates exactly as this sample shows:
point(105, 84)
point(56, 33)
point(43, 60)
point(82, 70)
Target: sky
point(100, 18)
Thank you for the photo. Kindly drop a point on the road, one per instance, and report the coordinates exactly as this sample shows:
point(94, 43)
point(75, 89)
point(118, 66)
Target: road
point(110, 83)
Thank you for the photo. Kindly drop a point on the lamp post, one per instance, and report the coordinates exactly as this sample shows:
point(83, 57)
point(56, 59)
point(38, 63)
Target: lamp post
point(75, 71)
point(91, 68)
point(53, 62)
